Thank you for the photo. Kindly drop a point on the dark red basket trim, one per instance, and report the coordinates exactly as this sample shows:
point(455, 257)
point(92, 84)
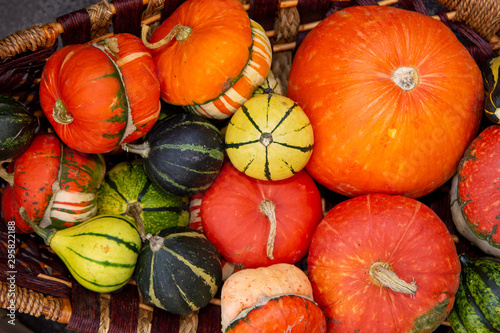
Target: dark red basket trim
point(76, 27)
point(85, 314)
point(128, 16)
point(124, 310)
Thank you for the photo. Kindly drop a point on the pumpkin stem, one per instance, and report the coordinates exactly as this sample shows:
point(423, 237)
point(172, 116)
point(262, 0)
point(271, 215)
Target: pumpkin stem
point(381, 273)
point(61, 114)
point(46, 234)
point(268, 208)
point(141, 148)
point(405, 77)
point(134, 209)
point(180, 32)
point(8, 177)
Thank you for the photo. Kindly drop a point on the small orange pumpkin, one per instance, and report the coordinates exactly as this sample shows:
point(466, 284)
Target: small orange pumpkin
point(210, 57)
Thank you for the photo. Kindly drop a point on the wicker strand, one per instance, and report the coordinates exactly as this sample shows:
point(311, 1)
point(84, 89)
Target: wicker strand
point(30, 302)
point(101, 16)
point(189, 323)
point(482, 16)
point(28, 40)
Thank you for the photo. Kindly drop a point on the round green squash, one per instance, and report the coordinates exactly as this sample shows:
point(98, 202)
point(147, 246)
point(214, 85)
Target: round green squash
point(182, 154)
point(127, 190)
point(18, 127)
point(179, 270)
point(477, 302)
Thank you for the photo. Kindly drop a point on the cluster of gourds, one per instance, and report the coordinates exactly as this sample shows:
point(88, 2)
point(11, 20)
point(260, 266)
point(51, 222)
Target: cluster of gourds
point(223, 194)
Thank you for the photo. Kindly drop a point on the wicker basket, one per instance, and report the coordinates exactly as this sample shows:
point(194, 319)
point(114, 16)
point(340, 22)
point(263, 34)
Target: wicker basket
point(43, 286)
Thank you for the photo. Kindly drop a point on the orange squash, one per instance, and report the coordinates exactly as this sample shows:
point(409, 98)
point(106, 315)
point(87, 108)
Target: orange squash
point(215, 60)
point(393, 97)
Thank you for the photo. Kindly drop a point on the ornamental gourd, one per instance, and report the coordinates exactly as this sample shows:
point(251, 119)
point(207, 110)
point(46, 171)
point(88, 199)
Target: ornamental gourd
point(474, 194)
point(18, 127)
point(477, 305)
point(269, 137)
point(54, 183)
point(100, 253)
point(100, 94)
point(182, 154)
point(491, 71)
point(178, 270)
point(257, 223)
point(380, 86)
point(279, 300)
point(210, 57)
point(390, 255)
point(126, 190)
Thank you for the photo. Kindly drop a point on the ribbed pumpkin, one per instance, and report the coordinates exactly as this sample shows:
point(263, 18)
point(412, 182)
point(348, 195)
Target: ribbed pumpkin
point(54, 183)
point(269, 137)
point(477, 305)
point(382, 263)
point(18, 127)
point(100, 94)
point(277, 298)
point(100, 253)
point(127, 190)
point(182, 154)
point(394, 99)
point(178, 270)
point(475, 195)
point(216, 59)
point(491, 72)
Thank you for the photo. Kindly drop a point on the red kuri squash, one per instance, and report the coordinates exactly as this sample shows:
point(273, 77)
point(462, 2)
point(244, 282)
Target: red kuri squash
point(257, 223)
point(393, 97)
point(215, 60)
point(55, 184)
point(383, 263)
point(98, 95)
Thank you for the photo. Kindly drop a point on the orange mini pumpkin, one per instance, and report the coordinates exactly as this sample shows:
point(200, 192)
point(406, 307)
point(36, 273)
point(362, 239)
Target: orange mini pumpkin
point(214, 57)
point(393, 97)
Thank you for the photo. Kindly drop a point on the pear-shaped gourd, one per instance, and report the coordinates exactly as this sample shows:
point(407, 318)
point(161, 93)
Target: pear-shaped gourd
point(100, 253)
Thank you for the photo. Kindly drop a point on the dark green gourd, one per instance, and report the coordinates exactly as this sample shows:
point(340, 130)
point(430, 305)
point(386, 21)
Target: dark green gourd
point(182, 154)
point(477, 304)
point(18, 127)
point(179, 270)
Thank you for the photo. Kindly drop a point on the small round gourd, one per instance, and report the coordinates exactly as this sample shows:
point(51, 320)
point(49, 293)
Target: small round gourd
point(127, 190)
point(179, 270)
point(18, 127)
point(182, 154)
point(269, 137)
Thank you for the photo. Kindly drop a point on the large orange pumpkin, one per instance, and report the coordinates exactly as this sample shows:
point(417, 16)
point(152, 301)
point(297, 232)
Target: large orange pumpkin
point(393, 97)
point(216, 59)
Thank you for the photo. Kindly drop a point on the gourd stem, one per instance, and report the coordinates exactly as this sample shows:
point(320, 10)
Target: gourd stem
point(61, 114)
point(381, 273)
point(141, 148)
point(155, 242)
point(46, 234)
point(268, 208)
point(8, 177)
point(134, 209)
point(180, 32)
